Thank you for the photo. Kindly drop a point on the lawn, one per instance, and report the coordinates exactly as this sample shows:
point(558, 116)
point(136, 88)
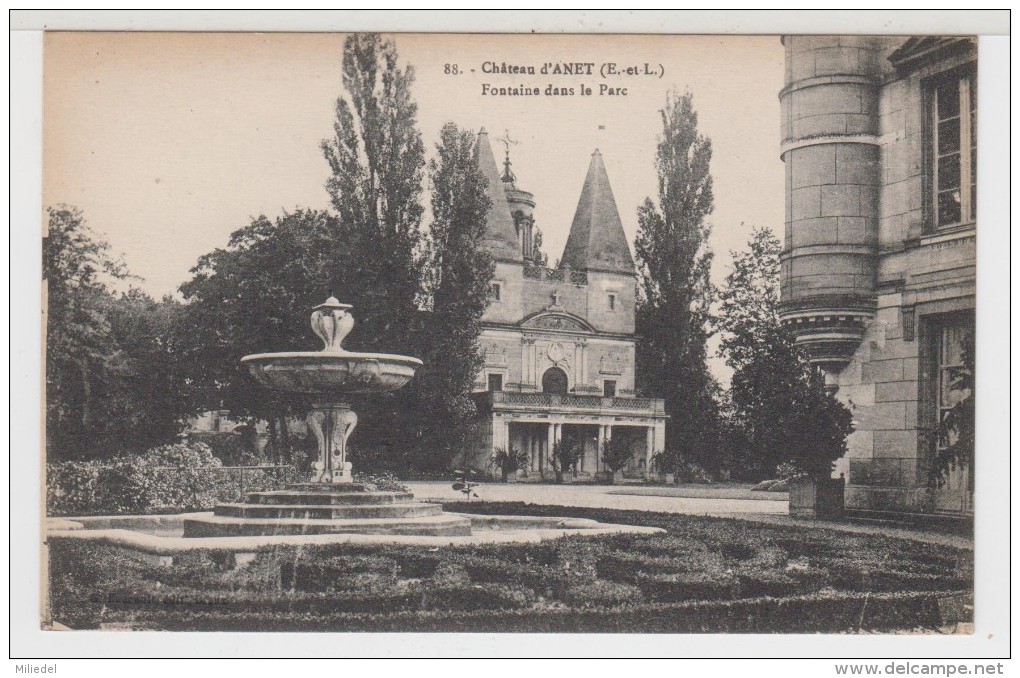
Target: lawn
point(704, 575)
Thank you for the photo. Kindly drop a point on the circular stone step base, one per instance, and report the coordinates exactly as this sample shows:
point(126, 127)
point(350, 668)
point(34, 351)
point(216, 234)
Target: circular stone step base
point(329, 511)
point(334, 488)
point(304, 497)
point(228, 526)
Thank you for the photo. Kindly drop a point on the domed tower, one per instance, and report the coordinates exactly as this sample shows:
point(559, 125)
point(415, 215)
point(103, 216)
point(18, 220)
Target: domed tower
point(521, 204)
point(830, 126)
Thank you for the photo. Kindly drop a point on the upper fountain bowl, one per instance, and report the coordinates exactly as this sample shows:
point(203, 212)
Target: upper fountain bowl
point(333, 371)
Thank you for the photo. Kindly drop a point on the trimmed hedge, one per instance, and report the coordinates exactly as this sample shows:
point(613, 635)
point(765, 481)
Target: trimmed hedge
point(579, 583)
point(819, 613)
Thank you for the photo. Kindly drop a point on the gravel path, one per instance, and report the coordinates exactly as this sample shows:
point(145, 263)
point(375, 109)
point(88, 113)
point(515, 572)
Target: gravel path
point(721, 503)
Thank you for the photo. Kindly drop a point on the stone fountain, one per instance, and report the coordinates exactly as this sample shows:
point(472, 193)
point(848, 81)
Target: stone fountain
point(331, 502)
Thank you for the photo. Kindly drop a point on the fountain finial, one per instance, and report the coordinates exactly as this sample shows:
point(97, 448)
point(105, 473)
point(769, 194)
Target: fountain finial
point(332, 322)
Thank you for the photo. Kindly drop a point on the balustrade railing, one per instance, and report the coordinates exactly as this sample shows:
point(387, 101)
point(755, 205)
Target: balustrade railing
point(555, 274)
point(590, 402)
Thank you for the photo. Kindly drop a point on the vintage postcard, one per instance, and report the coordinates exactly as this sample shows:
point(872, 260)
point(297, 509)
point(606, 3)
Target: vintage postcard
point(511, 333)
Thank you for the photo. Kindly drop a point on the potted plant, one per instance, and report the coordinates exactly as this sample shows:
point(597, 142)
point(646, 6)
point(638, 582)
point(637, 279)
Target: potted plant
point(813, 497)
point(564, 457)
point(509, 461)
point(615, 455)
point(662, 466)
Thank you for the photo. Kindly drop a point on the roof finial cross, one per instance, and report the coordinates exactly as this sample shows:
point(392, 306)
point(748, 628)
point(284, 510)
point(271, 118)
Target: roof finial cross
point(508, 175)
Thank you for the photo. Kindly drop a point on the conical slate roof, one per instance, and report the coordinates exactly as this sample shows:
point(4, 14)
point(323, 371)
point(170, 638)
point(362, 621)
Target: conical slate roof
point(500, 233)
point(596, 239)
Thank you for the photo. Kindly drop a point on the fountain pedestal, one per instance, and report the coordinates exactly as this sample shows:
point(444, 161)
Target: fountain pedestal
point(332, 424)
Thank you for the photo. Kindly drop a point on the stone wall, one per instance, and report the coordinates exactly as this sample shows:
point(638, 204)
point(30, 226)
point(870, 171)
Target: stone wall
point(919, 276)
point(522, 357)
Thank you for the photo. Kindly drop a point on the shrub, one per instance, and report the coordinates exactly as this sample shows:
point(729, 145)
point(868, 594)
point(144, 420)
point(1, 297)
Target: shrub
point(545, 581)
point(71, 487)
point(778, 584)
point(316, 575)
point(670, 588)
point(385, 481)
point(616, 453)
point(775, 485)
point(508, 460)
point(564, 457)
point(474, 597)
point(683, 470)
point(705, 575)
point(170, 478)
point(627, 567)
point(602, 594)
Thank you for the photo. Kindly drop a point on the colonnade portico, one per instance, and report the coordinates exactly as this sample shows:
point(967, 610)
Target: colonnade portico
point(516, 424)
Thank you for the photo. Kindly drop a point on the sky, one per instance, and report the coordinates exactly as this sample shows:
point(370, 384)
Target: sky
point(168, 142)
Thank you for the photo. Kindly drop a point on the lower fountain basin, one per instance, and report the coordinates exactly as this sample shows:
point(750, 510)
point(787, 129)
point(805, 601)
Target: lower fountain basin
point(331, 373)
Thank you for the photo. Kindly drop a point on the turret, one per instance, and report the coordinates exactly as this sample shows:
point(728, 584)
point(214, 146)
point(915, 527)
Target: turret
point(522, 206)
point(830, 124)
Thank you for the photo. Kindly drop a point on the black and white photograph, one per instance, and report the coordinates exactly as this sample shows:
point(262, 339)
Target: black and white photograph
point(626, 335)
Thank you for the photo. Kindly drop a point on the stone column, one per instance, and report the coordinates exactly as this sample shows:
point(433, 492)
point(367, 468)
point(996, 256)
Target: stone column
point(533, 362)
point(609, 438)
point(659, 436)
point(584, 362)
point(533, 452)
point(649, 449)
point(498, 433)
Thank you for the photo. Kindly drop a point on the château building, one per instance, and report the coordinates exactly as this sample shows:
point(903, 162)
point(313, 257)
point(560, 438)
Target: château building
point(879, 141)
point(559, 342)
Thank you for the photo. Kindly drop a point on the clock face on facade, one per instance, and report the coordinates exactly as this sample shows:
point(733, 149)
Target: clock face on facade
point(555, 352)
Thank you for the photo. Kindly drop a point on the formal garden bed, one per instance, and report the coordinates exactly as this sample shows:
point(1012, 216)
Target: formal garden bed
point(702, 575)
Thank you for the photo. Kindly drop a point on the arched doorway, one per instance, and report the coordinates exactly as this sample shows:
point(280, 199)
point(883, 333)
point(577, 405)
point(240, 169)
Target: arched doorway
point(554, 381)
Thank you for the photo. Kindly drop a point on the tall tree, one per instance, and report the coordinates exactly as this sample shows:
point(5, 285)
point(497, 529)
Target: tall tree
point(110, 373)
point(781, 412)
point(153, 393)
point(377, 163)
point(675, 293)
point(255, 296)
point(461, 272)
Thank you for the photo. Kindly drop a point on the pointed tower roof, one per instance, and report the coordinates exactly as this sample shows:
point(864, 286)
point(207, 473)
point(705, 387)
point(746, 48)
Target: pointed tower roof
point(596, 239)
point(500, 233)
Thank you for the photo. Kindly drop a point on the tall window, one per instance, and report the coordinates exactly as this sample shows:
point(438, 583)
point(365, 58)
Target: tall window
point(954, 149)
point(949, 360)
point(494, 291)
point(495, 382)
point(942, 362)
point(609, 388)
